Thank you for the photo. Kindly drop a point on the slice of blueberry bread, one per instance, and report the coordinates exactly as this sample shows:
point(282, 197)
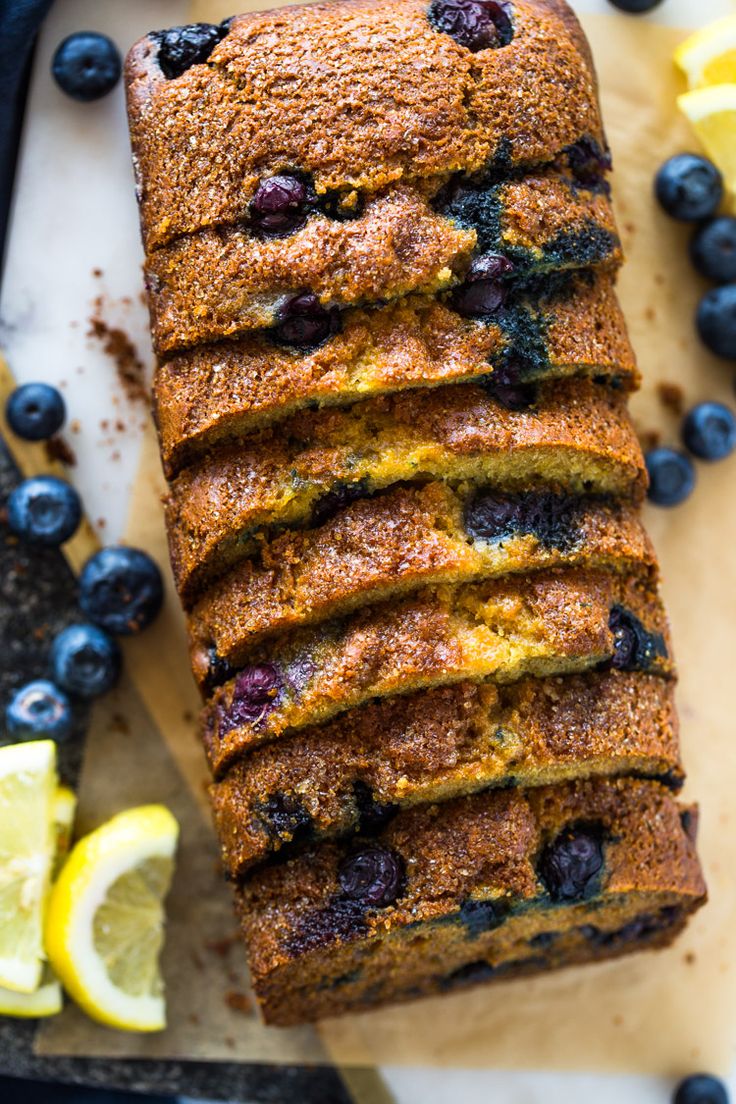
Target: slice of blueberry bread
point(575, 436)
point(405, 91)
point(218, 392)
point(392, 544)
point(498, 885)
point(499, 630)
point(356, 772)
point(223, 281)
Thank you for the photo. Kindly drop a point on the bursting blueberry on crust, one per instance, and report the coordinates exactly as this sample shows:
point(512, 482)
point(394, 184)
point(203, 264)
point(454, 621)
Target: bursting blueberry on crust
point(634, 647)
point(179, 48)
point(571, 864)
point(373, 875)
point(552, 518)
point(255, 694)
point(304, 323)
point(280, 205)
point(475, 24)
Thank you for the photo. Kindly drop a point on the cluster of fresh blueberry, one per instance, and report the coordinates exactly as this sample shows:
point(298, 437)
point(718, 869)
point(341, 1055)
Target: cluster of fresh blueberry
point(690, 188)
point(121, 590)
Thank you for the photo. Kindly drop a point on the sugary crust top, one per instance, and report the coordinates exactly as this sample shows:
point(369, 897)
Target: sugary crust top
point(440, 744)
point(225, 390)
point(475, 846)
point(358, 94)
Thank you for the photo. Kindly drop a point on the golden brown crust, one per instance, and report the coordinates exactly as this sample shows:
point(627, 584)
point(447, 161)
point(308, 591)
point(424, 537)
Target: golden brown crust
point(332, 780)
point(220, 392)
point(315, 951)
point(500, 630)
point(391, 100)
point(577, 437)
point(220, 282)
point(391, 545)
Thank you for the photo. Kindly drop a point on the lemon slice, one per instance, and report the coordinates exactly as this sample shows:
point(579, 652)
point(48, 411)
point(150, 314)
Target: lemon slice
point(27, 846)
point(709, 56)
point(712, 113)
point(47, 999)
point(105, 921)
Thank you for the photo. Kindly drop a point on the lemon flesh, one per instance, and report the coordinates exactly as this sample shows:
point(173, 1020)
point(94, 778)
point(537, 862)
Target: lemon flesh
point(27, 847)
point(709, 56)
point(712, 113)
point(105, 923)
point(47, 999)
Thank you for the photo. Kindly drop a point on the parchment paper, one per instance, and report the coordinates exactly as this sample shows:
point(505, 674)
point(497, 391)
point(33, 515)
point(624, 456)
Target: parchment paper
point(665, 1012)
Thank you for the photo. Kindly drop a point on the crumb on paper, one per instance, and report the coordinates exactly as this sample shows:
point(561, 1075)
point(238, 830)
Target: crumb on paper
point(222, 947)
point(97, 272)
point(689, 959)
point(57, 448)
point(672, 397)
point(239, 1002)
point(75, 425)
point(650, 314)
point(119, 723)
point(649, 439)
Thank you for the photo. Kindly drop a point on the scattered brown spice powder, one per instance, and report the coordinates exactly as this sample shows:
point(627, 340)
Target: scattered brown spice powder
point(118, 346)
point(57, 448)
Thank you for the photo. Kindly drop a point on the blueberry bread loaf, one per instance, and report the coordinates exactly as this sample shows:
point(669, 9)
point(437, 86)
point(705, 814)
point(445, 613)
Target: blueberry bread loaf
point(574, 435)
point(393, 544)
point(219, 392)
point(438, 744)
point(404, 492)
point(498, 885)
point(552, 622)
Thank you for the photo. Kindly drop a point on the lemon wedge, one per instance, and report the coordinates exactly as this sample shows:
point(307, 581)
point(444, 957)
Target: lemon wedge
point(27, 847)
point(105, 920)
point(709, 56)
point(712, 113)
point(47, 999)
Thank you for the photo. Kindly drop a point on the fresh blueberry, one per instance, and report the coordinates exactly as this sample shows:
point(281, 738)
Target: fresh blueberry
point(280, 205)
point(304, 322)
point(44, 510)
point(181, 47)
point(713, 249)
point(572, 862)
point(689, 187)
point(716, 321)
point(85, 661)
point(709, 431)
point(635, 7)
point(35, 411)
point(374, 875)
point(701, 1088)
point(671, 476)
point(475, 24)
point(255, 694)
point(86, 66)
point(121, 590)
point(38, 709)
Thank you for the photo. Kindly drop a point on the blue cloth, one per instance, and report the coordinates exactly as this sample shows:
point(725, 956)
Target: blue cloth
point(19, 24)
